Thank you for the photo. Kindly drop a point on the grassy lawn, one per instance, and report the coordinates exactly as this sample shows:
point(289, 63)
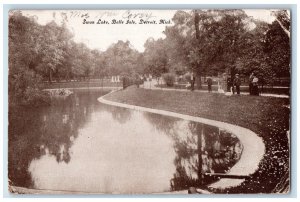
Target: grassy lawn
point(268, 117)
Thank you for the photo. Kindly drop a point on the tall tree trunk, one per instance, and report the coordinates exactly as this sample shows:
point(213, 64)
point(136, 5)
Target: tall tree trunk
point(198, 66)
point(197, 19)
point(287, 32)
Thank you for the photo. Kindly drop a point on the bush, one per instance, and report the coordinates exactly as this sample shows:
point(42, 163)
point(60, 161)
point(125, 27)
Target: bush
point(187, 77)
point(35, 97)
point(169, 79)
point(25, 89)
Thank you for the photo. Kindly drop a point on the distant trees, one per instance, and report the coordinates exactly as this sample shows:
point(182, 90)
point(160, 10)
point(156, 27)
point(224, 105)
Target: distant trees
point(211, 40)
point(121, 59)
point(155, 57)
point(38, 53)
point(179, 43)
point(99, 64)
point(207, 42)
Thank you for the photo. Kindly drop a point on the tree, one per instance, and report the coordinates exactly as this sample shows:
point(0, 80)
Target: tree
point(206, 41)
point(155, 56)
point(99, 64)
point(65, 37)
point(222, 38)
point(284, 20)
point(24, 81)
point(252, 54)
point(82, 64)
point(49, 49)
point(277, 49)
point(121, 58)
point(178, 43)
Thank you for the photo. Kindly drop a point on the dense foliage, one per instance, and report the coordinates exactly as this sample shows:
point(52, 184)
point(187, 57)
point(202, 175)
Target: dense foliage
point(207, 42)
point(169, 79)
point(212, 42)
point(40, 53)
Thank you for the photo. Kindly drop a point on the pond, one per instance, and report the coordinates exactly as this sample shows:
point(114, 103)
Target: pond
point(78, 144)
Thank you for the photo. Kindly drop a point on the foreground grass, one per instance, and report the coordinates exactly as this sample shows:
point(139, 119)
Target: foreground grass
point(266, 116)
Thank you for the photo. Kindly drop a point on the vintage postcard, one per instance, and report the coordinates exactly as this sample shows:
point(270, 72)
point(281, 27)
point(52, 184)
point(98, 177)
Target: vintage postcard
point(149, 101)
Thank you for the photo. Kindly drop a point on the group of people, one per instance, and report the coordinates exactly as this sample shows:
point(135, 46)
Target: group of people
point(231, 85)
point(234, 85)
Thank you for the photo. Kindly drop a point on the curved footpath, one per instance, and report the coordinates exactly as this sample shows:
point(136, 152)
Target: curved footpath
point(152, 85)
point(252, 153)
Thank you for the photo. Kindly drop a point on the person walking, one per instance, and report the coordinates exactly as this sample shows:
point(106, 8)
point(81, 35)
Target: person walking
point(250, 83)
point(229, 85)
point(237, 83)
point(209, 84)
point(193, 79)
point(255, 90)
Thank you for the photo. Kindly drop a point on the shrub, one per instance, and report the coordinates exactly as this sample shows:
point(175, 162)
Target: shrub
point(187, 77)
point(35, 97)
point(169, 79)
point(25, 89)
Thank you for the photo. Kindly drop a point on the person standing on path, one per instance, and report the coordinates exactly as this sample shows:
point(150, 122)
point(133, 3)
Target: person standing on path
point(193, 79)
point(229, 85)
point(209, 84)
point(250, 83)
point(255, 90)
point(237, 83)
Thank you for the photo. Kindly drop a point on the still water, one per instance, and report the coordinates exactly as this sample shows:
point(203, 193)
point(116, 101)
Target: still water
point(79, 144)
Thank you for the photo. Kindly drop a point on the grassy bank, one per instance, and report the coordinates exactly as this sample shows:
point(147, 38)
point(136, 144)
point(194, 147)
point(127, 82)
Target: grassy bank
point(266, 116)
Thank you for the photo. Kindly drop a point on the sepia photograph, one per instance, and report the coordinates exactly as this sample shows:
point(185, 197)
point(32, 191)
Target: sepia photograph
point(132, 101)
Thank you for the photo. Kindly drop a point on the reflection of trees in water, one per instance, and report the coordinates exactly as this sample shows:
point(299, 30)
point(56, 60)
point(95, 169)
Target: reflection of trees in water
point(37, 131)
point(162, 123)
point(200, 149)
point(121, 115)
point(224, 150)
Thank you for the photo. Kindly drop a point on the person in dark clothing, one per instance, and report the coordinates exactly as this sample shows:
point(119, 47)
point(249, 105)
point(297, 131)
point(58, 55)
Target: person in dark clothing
point(229, 84)
point(209, 84)
point(237, 83)
point(193, 79)
point(250, 83)
point(255, 90)
point(125, 82)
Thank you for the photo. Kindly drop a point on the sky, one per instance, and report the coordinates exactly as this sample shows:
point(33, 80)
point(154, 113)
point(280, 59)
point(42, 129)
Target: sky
point(101, 36)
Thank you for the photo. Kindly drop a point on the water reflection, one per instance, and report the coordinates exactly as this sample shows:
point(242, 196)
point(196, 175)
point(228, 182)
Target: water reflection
point(78, 144)
point(37, 131)
point(199, 149)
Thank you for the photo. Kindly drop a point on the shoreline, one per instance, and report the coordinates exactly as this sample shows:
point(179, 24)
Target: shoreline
point(251, 155)
point(268, 117)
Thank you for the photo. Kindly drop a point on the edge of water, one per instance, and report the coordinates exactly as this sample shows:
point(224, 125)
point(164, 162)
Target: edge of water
point(253, 151)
